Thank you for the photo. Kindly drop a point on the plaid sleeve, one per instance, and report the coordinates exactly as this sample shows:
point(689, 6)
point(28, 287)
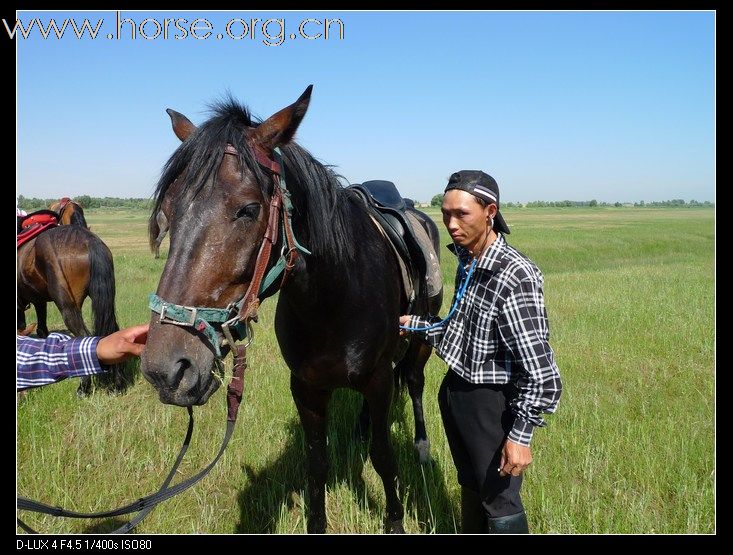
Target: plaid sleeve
point(434, 336)
point(44, 361)
point(524, 328)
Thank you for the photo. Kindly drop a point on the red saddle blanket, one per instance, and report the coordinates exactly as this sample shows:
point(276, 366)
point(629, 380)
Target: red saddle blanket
point(35, 223)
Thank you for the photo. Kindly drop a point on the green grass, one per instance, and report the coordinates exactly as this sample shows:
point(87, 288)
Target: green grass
point(630, 295)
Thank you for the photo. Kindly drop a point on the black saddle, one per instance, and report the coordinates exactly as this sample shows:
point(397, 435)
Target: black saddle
point(387, 207)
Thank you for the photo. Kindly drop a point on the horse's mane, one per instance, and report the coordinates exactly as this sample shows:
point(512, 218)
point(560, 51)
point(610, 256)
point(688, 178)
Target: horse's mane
point(320, 205)
point(77, 216)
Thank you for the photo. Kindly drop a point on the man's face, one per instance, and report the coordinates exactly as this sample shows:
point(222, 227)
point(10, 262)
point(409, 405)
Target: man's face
point(465, 219)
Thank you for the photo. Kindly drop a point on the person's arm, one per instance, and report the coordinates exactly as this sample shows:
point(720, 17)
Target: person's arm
point(434, 336)
point(524, 328)
point(44, 361)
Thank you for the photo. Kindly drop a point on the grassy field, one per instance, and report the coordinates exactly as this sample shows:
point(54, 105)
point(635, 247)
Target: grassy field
point(631, 298)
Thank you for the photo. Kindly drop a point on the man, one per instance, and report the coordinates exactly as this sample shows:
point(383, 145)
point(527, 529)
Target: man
point(501, 370)
point(57, 357)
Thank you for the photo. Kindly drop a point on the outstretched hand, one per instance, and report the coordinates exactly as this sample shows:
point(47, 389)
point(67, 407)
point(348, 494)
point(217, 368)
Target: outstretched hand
point(404, 320)
point(123, 344)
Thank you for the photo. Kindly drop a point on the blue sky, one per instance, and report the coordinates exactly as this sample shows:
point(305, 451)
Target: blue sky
point(613, 106)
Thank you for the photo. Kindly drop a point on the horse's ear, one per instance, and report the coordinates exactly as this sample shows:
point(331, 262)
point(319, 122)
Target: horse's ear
point(279, 128)
point(182, 126)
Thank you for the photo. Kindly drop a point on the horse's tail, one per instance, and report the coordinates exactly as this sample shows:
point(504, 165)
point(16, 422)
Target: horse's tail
point(102, 287)
point(102, 292)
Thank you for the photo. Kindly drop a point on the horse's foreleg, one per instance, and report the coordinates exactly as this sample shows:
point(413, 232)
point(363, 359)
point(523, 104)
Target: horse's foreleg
point(379, 395)
point(42, 328)
point(312, 405)
point(71, 314)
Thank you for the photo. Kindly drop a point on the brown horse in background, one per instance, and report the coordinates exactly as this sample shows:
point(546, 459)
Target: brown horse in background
point(159, 224)
point(66, 264)
point(157, 229)
point(70, 212)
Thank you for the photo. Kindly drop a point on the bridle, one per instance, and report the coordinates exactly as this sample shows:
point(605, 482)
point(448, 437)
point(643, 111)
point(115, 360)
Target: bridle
point(236, 318)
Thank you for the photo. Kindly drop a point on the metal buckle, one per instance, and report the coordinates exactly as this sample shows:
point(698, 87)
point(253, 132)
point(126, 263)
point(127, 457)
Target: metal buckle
point(249, 332)
point(164, 320)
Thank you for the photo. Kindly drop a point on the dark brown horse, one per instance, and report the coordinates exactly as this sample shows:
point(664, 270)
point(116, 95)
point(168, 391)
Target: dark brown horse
point(70, 212)
point(337, 313)
point(64, 265)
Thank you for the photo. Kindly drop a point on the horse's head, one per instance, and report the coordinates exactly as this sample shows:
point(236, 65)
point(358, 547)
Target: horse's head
point(215, 191)
point(70, 212)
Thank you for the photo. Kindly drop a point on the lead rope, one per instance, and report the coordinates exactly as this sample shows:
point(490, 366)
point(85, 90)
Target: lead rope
point(235, 390)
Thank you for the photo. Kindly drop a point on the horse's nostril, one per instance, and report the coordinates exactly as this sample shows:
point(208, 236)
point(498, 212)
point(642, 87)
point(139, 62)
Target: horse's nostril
point(179, 371)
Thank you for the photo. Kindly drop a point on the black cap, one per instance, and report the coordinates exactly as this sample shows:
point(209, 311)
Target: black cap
point(483, 186)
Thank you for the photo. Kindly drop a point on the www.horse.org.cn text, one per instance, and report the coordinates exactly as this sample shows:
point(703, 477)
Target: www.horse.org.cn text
point(270, 31)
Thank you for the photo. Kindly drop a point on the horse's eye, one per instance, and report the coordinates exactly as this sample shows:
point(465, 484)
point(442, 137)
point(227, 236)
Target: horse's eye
point(250, 212)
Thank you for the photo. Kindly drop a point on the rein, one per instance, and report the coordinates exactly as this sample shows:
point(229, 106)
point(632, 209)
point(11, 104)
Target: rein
point(236, 318)
point(146, 504)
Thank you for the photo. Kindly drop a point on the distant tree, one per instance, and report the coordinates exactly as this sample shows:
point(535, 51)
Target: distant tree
point(617, 204)
point(84, 200)
point(594, 202)
point(437, 200)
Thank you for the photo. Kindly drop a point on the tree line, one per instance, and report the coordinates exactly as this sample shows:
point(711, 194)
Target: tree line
point(30, 204)
point(437, 200)
point(86, 201)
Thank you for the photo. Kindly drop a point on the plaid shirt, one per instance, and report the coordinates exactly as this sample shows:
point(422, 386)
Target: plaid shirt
point(44, 361)
point(499, 334)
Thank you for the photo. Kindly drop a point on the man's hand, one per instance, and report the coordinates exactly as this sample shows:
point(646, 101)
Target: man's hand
point(404, 320)
point(123, 344)
point(515, 459)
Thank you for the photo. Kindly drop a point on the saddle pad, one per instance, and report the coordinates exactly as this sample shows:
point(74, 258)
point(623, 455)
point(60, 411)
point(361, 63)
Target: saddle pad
point(433, 275)
point(34, 225)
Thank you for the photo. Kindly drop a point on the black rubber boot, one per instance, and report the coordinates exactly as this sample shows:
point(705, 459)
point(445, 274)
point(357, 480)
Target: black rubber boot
point(473, 516)
point(511, 524)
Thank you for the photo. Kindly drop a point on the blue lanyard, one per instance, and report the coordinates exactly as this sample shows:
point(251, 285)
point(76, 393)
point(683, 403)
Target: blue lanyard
point(465, 278)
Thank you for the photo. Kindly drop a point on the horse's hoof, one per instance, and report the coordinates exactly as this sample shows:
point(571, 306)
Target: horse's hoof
point(395, 527)
point(83, 391)
point(317, 528)
point(423, 451)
